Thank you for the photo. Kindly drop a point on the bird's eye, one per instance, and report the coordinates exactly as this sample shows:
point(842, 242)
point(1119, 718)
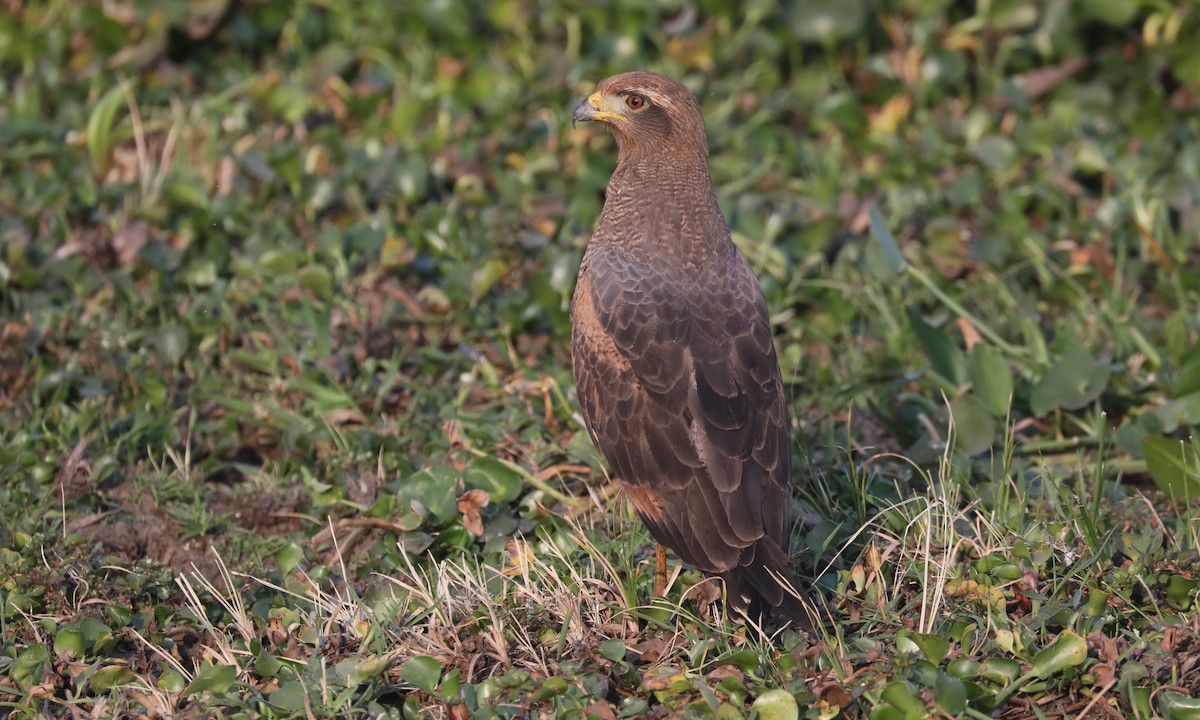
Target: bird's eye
point(635, 102)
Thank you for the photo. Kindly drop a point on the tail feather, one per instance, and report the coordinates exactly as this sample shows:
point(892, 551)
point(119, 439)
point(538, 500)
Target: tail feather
point(764, 579)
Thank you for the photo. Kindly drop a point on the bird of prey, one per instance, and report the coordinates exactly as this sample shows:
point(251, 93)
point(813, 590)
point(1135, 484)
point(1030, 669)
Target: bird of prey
point(672, 353)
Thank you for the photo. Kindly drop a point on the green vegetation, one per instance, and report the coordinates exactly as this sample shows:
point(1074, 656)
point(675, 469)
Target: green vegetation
point(286, 413)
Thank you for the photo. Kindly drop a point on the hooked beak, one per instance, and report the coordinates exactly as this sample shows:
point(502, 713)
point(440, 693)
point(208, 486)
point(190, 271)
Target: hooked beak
point(592, 109)
point(584, 112)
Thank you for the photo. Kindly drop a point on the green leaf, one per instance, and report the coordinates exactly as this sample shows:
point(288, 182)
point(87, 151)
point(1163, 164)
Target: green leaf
point(107, 678)
point(613, 649)
point(215, 679)
point(172, 342)
point(1181, 591)
point(946, 359)
point(1000, 670)
point(991, 378)
point(99, 127)
point(776, 704)
point(501, 482)
point(485, 277)
point(69, 641)
point(974, 425)
point(368, 668)
point(28, 666)
point(1188, 380)
point(1174, 466)
point(1113, 13)
point(950, 694)
point(1075, 380)
point(903, 696)
point(827, 20)
point(266, 664)
point(891, 250)
point(435, 489)
point(933, 647)
point(171, 681)
point(290, 697)
point(552, 687)
point(317, 280)
point(288, 557)
point(1183, 411)
point(1067, 650)
point(423, 672)
point(1178, 706)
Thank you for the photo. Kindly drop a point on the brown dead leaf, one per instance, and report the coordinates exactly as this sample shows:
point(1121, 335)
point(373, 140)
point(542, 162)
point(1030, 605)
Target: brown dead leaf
point(721, 672)
point(469, 504)
point(520, 557)
point(1103, 646)
point(129, 241)
point(600, 710)
point(888, 117)
point(648, 651)
point(832, 693)
point(660, 678)
point(970, 335)
point(1096, 255)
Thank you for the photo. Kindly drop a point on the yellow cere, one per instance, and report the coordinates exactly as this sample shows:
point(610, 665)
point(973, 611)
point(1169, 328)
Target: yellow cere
point(596, 100)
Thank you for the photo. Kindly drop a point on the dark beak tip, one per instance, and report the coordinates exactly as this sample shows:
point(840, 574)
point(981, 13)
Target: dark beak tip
point(583, 113)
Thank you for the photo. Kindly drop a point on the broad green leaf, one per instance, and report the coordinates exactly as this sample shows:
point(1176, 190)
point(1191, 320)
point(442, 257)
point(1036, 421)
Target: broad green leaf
point(962, 668)
point(903, 696)
point(891, 250)
point(552, 687)
point(69, 641)
point(1000, 670)
point(776, 704)
point(950, 694)
point(485, 277)
point(290, 697)
point(1067, 650)
point(501, 482)
point(1178, 706)
point(215, 679)
point(827, 20)
point(974, 425)
point(933, 647)
point(435, 489)
point(171, 681)
point(747, 660)
point(1183, 410)
point(423, 672)
point(317, 280)
point(100, 125)
point(172, 342)
point(1113, 13)
point(991, 378)
point(1074, 380)
point(1181, 591)
point(28, 666)
point(107, 678)
point(266, 664)
point(613, 649)
point(946, 359)
point(1188, 380)
point(288, 557)
point(1174, 466)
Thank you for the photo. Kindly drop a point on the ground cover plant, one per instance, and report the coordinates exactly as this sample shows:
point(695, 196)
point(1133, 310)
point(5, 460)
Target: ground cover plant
point(287, 426)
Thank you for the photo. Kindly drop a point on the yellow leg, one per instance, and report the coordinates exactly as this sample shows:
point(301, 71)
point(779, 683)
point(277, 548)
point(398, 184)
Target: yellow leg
point(660, 571)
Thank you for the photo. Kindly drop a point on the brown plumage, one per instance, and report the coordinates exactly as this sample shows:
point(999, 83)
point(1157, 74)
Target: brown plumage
point(672, 352)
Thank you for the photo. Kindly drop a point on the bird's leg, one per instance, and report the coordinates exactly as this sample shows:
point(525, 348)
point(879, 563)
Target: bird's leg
point(660, 570)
